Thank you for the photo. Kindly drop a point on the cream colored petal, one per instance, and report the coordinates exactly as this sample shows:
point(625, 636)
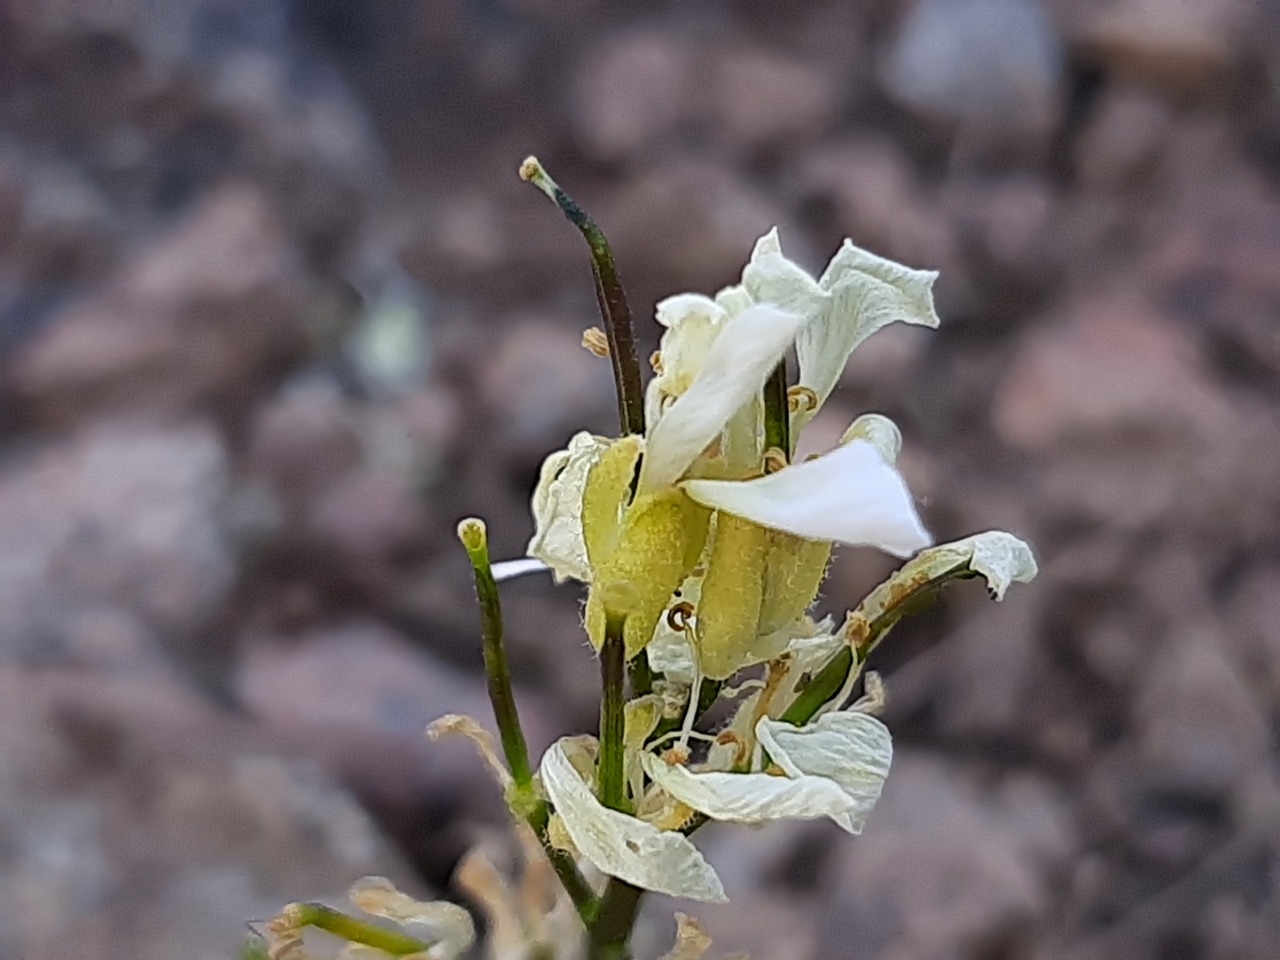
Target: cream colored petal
point(622, 846)
point(448, 926)
point(865, 293)
point(850, 495)
point(879, 431)
point(736, 368)
point(693, 323)
point(557, 508)
point(771, 278)
point(750, 797)
point(733, 300)
point(999, 557)
point(692, 941)
point(852, 750)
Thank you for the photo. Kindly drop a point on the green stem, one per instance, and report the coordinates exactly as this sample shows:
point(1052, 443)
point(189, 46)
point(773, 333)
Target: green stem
point(524, 801)
point(358, 931)
point(612, 928)
point(777, 417)
point(580, 892)
point(641, 675)
point(473, 536)
point(613, 299)
point(613, 672)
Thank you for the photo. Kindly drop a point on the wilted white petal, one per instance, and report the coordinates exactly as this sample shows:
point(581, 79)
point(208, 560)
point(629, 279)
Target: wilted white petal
point(877, 430)
point(446, 925)
point(670, 654)
point(750, 797)
point(998, 556)
point(850, 495)
point(692, 941)
point(733, 300)
point(853, 750)
point(771, 278)
point(623, 846)
point(736, 368)
point(557, 508)
point(457, 723)
point(864, 293)
point(510, 569)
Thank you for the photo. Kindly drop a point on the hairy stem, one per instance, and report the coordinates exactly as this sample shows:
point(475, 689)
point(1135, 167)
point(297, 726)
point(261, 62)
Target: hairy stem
point(613, 299)
point(612, 928)
point(613, 674)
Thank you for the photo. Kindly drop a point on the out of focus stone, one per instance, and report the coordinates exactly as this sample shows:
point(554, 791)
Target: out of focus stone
point(1113, 368)
point(205, 308)
point(1201, 727)
point(139, 823)
point(689, 225)
point(115, 518)
point(1180, 45)
point(992, 67)
point(541, 385)
point(303, 440)
point(882, 206)
point(1124, 137)
point(629, 91)
point(944, 866)
point(359, 698)
point(758, 96)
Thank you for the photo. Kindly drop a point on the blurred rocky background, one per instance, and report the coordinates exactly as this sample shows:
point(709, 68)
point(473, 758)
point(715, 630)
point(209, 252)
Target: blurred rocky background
point(275, 312)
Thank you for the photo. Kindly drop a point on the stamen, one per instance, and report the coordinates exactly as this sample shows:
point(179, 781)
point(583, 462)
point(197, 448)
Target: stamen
point(801, 398)
point(595, 341)
point(679, 616)
point(774, 460)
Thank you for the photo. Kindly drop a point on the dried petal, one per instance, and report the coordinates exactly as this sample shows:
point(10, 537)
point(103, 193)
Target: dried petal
point(852, 750)
point(623, 846)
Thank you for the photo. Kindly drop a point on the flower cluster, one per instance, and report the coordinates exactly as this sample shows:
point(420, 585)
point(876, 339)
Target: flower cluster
point(702, 540)
point(708, 546)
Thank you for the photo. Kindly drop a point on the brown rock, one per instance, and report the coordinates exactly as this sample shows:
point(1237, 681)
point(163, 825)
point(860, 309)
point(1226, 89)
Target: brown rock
point(115, 518)
point(756, 96)
point(943, 865)
point(1115, 367)
point(148, 825)
point(629, 91)
point(541, 385)
point(1200, 725)
point(200, 309)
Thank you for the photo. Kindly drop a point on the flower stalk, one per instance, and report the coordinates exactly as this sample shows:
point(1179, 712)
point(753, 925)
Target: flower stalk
point(525, 801)
point(475, 539)
point(612, 298)
point(317, 915)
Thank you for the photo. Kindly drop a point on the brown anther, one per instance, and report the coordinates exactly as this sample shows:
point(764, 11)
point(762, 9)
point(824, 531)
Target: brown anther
point(801, 398)
point(677, 755)
point(595, 342)
point(678, 616)
point(774, 460)
point(729, 738)
point(655, 361)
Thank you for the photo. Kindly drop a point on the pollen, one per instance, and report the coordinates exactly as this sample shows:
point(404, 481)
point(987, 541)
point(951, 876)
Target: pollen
point(595, 342)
